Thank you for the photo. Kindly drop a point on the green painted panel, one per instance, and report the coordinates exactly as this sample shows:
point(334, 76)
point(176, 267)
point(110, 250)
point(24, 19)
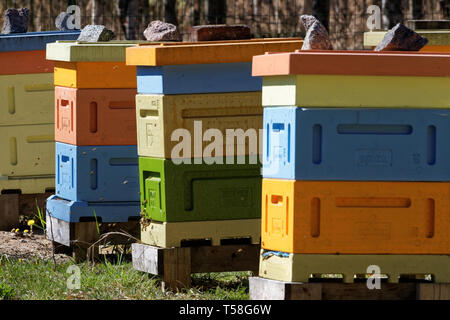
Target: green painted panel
point(199, 192)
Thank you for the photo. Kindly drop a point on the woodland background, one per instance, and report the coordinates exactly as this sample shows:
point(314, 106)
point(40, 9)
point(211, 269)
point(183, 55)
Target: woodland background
point(345, 19)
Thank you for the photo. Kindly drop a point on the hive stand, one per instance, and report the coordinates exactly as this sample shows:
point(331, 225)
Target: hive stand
point(76, 238)
point(12, 205)
point(175, 265)
point(266, 289)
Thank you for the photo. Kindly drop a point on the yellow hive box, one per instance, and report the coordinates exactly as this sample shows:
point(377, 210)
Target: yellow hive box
point(438, 40)
point(26, 99)
point(158, 116)
point(173, 234)
point(348, 91)
point(299, 267)
point(30, 185)
point(208, 52)
point(27, 151)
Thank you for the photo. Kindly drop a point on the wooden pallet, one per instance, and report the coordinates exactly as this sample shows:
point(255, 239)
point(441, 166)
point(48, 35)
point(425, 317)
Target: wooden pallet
point(266, 289)
point(175, 265)
point(216, 233)
point(77, 238)
point(14, 205)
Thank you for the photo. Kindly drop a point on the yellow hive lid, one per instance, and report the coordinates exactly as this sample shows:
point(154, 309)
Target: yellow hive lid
point(177, 53)
point(76, 51)
point(435, 37)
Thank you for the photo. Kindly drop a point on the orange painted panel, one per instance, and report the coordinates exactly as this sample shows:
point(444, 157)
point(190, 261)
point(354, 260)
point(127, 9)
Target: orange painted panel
point(349, 217)
point(86, 117)
point(435, 49)
point(95, 75)
point(367, 63)
point(24, 62)
point(205, 52)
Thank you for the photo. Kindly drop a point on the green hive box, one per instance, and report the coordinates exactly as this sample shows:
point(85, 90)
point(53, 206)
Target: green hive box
point(199, 192)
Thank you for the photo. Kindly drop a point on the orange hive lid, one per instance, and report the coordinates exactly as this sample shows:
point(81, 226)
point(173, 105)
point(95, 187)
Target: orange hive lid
point(362, 63)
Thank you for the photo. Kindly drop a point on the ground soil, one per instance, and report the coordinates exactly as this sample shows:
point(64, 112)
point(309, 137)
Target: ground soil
point(25, 247)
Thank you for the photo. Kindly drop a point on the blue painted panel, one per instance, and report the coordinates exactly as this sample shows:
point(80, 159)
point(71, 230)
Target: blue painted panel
point(80, 211)
point(197, 78)
point(97, 173)
point(356, 144)
point(34, 40)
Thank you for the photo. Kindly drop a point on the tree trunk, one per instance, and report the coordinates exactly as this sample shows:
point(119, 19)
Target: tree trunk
point(321, 10)
point(417, 9)
point(217, 11)
point(394, 12)
point(170, 11)
point(445, 8)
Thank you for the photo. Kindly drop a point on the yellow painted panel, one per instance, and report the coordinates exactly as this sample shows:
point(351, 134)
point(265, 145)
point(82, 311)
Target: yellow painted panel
point(158, 116)
point(170, 234)
point(436, 38)
point(27, 151)
point(26, 99)
point(342, 91)
point(298, 267)
point(95, 75)
point(30, 185)
point(73, 51)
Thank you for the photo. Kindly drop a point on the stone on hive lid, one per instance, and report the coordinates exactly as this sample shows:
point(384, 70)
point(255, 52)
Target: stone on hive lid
point(218, 32)
point(401, 38)
point(16, 21)
point(161, 31)
point(317, 37)
point(96, 33)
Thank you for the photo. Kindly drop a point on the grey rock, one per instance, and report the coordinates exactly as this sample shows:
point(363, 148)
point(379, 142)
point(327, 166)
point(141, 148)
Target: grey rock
point(16, 21)
point(317, 37)
point(161, 31)
point(401, 38)
point(96, 33)
point(61, 21)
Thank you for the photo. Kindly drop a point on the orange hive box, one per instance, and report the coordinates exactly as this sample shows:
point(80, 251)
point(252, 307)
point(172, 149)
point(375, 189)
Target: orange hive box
point(24, 62)
point(207, 52)
point(86, 117)
point(95, 75)
point(362, 63)
point(356, 217)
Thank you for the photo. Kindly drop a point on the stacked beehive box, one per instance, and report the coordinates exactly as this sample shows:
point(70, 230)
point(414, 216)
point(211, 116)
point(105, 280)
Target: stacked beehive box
point(97, 177)
point(186, 89)
point(26, 116)
point(356, 166)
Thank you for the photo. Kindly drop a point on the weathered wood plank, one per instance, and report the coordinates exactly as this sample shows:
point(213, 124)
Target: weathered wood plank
point(433, 291)
point(147, 258)
point(225, 258)
point(267, 289)
point(9, 211)
point(58, 230)
point(177, 269)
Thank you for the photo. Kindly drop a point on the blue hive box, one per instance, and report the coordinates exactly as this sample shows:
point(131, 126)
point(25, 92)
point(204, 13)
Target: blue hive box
point(97, 173)
point(356, 144)
point(197, 78)
point(34, 40)
point(81, 211)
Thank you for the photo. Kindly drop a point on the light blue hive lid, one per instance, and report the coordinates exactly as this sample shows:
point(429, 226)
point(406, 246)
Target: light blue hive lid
point(34, 40)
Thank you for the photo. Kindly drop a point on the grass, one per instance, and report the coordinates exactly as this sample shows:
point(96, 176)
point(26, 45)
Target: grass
point(42, 280)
